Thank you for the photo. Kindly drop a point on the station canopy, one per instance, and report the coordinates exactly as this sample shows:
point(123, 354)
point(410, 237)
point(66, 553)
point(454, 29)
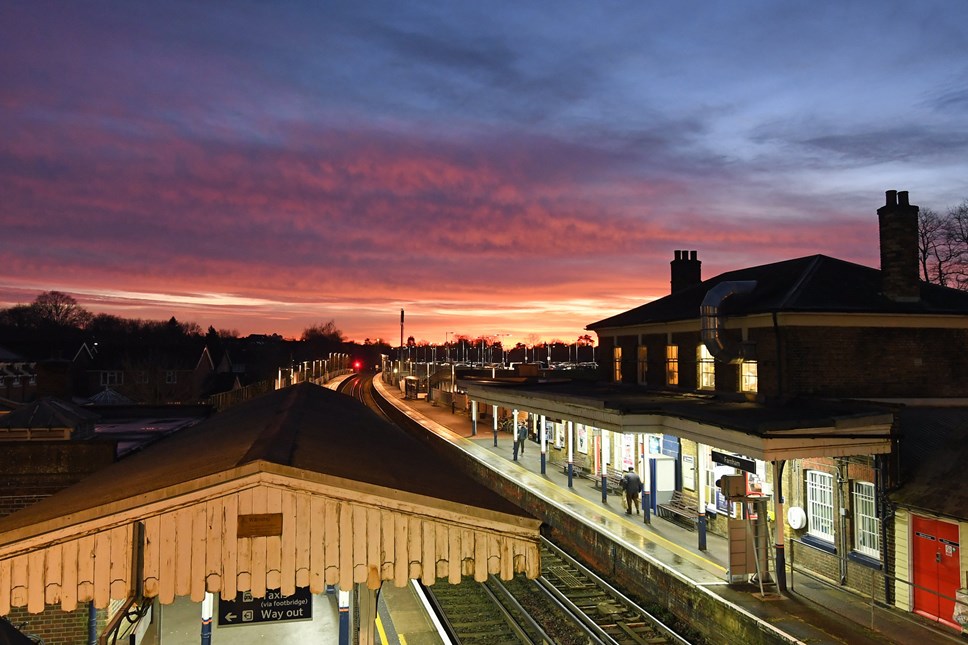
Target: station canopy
point(302, 487)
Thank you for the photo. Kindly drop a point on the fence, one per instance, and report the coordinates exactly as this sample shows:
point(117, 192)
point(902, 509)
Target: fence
point(878, 580)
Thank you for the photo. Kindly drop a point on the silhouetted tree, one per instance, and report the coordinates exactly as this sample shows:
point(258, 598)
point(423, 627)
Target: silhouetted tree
point(327, 331)
point(943, 246)
point(59, 309)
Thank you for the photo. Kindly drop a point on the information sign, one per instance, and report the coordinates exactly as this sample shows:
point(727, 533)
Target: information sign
point(245, 609)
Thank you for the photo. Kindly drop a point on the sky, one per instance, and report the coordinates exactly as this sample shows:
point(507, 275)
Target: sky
point(515, 170)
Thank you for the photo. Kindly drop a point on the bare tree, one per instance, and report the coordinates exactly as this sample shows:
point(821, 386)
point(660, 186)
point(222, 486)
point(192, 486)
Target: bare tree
point(943, 246)
point(60, 309)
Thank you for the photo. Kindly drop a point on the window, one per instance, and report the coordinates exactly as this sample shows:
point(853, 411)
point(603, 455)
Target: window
point(143, 377)
point(820, 504)
point(170, 377)
point(747, 376)
point(617, 366)
point(643, 364)
point(112, 378)
point(867, 526)
point(707, 369)
point(672, 365)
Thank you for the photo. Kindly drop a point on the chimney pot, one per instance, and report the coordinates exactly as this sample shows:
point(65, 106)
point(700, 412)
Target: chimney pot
point(902, 198)
point(686, 270)
point(891, 198)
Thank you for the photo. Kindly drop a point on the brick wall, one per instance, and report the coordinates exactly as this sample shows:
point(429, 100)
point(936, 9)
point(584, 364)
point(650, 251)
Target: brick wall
point(33, 470)
point(854, 362)
point(57, 627)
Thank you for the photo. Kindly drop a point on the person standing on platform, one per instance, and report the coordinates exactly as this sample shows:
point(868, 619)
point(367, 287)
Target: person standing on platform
point(520, 435)
point(632, 486)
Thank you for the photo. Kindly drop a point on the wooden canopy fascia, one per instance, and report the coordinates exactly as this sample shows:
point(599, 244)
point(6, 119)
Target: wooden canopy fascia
point(864, 435)
point(325, 531)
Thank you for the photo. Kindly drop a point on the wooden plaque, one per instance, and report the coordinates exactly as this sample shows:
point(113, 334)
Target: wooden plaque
point(259, 525)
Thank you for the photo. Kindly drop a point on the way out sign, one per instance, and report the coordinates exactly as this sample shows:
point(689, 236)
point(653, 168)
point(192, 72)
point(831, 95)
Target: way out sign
point(273, 608)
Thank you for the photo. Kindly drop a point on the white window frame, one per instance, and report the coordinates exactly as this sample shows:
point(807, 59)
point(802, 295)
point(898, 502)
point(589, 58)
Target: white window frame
point(672, 365)
point(112, 377)
point(867, 526)
point(705, 368)
point(748, 377)
point(820, 504)
point(171, 377)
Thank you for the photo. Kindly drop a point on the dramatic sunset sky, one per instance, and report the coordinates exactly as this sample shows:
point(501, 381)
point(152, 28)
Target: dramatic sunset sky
point(494, 168)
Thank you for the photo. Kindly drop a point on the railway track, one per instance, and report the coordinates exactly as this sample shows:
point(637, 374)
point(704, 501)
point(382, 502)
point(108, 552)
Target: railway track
point(568, 605)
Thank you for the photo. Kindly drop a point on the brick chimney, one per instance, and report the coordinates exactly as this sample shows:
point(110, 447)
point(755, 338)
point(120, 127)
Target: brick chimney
point(686, 271)
point(898, 223)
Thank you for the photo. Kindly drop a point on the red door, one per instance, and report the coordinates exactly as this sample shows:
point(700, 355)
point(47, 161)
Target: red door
point(936, 568)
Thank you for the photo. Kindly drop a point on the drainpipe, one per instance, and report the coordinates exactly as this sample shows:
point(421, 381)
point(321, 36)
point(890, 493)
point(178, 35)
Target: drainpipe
point(91, 624)
point(780, 549)
point(712, 324)
point(842, 533)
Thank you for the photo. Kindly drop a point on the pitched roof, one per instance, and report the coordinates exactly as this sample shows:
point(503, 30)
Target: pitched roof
point(304, 426)
point(933, 454)
point(815, 283)
point(48, 412)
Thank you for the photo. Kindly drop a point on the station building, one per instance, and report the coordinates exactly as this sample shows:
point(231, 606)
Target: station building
point(837, 390)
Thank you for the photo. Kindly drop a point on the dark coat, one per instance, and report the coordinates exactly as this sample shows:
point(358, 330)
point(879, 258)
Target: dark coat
point(632, 483)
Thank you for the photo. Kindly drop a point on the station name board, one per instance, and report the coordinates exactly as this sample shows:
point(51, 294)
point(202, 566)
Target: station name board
point(736, 462)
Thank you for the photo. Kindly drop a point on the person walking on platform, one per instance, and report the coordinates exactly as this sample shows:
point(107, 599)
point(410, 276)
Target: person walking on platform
point(520, 435)
point(632, 486)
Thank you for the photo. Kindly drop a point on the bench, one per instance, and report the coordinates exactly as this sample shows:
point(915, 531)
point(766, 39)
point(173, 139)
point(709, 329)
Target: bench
point(680, 509)
point(613, 481)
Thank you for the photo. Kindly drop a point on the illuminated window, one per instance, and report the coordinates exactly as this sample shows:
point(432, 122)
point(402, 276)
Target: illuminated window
point(617, 364)
point(867, 526)
point(643, 360)
point(747, 376)
point(820, 504)
point(672, 364)
point(707, 369)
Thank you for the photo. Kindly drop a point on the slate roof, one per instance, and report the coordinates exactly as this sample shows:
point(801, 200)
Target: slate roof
point(815, 283)
point(933, 454)
point(304, 426)
point(48, 412)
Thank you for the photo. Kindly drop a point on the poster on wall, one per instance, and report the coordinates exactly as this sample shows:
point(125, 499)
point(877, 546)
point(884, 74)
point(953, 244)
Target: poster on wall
point(628, 451)
point(689, 472)
point(607, 446)
point(582, 439)
point(559, 434)
point(655, 444)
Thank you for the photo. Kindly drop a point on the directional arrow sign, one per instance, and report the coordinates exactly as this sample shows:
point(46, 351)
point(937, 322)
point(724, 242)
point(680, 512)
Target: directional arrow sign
point(244, 609)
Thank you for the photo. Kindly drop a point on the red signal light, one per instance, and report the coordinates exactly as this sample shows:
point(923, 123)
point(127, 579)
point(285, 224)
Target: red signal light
point(357, 365)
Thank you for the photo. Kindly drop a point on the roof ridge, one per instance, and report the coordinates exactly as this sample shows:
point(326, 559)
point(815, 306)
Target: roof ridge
point(275, 443)
point(798, 285)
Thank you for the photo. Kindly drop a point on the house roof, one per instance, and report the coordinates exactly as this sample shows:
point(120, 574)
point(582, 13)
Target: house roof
point(933, 454)
point(48, 412)
point(815, 283)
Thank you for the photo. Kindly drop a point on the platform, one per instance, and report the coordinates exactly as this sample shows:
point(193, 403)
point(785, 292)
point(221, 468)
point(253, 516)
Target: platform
point(811, 611)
